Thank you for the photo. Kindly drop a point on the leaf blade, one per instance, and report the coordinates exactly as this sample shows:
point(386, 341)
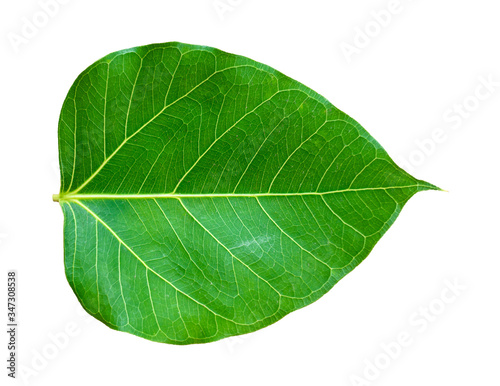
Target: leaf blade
point(207, 195)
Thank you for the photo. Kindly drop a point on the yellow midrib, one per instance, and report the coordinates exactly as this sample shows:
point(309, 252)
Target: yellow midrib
point(70, 196)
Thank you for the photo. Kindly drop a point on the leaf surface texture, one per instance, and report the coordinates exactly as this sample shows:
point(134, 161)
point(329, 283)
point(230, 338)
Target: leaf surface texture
point(207, 195)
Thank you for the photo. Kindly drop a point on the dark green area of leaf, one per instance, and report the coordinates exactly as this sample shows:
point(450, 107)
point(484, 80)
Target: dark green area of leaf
point(207, 195)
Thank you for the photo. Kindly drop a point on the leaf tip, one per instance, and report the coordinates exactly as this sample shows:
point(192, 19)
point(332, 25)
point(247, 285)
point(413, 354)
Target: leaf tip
point(427, 186)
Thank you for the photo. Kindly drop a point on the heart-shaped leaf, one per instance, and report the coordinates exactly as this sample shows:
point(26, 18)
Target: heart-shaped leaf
point(207, 195)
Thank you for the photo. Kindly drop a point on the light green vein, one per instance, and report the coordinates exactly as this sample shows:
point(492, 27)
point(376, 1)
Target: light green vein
point(231, 253)
point(72, 196)
point(156, 273)
point(106, 160)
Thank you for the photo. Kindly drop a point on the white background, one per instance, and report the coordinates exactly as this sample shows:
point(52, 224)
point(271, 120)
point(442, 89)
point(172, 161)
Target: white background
point(427, 59)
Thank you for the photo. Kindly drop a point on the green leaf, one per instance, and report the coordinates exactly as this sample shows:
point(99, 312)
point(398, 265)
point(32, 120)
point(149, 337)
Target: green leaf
point(207, 195)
